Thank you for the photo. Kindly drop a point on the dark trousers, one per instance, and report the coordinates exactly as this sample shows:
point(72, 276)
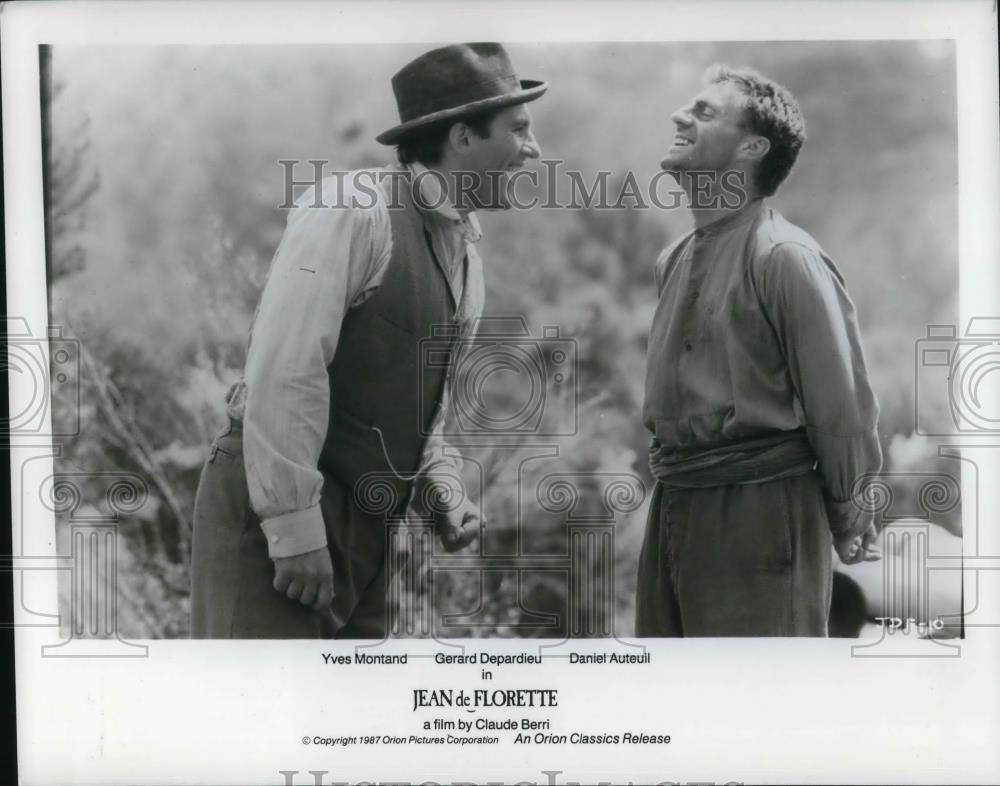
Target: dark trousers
point(741, 560)
point(232, 596)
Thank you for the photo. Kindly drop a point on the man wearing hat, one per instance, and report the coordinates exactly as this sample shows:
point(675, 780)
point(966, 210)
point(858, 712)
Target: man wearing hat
point(334, 391)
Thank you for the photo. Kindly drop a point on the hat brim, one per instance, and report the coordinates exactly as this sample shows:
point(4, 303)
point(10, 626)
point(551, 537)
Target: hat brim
point(530, 90)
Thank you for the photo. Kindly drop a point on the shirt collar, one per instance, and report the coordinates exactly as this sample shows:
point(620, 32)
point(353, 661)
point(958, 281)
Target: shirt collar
point(731, 220)
point(436, 206)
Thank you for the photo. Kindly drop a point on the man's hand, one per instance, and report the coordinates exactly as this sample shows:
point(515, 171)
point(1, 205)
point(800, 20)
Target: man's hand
point(307, 578)
point(456, 518)
point(858, 548)
point(856, 543)
point(458, 527)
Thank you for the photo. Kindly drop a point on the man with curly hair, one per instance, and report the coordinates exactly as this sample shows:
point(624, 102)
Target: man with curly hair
point(757, 393)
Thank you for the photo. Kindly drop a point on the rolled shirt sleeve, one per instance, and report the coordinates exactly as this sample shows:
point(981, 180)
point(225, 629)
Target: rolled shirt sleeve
point(329, 258)
point(817, 327)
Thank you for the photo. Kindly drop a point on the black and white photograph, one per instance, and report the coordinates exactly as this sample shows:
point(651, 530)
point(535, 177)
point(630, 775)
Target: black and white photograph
point(702, 392)
point(503, 401)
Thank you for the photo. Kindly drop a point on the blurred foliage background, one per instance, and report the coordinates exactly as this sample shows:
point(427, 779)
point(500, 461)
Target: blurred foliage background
point(164, 188)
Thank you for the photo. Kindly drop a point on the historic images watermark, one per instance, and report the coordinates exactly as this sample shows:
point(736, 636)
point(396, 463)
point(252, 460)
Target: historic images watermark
point(548, 186)
point(525, 427)
point(551, 778)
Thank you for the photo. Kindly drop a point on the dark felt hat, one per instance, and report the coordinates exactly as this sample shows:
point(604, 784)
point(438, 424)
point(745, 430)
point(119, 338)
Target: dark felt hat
point(453, 82)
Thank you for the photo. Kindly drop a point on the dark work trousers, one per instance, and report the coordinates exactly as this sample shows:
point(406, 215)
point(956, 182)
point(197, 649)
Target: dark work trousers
point(739, 560)
point(232, 592)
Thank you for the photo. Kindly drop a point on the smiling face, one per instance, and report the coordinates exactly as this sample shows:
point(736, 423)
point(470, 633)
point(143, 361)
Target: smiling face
point(493, 159)
point(709, 131)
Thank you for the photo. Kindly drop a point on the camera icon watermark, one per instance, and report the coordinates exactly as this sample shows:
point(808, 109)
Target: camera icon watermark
point(965, 369)
point(504, 381)
point(40, 368)
point(545, 565)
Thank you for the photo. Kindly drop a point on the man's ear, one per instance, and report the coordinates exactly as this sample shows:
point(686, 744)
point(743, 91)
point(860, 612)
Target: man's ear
point(460, 137)
point(754, 148)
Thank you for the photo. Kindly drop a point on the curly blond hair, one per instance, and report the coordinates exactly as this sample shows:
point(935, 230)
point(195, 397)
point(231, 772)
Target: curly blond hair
point(771, 111)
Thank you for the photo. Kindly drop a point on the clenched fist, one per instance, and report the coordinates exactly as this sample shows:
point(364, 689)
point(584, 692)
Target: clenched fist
point(307, 578)
point(858, 548)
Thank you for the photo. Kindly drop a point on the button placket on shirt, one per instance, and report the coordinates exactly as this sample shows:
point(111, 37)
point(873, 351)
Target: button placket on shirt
point(696, 277)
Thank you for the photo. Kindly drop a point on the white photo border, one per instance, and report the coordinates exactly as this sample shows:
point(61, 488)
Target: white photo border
point(749, 711)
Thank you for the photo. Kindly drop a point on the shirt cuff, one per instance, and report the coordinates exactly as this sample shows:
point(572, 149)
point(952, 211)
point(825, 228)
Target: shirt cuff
point(845, 517)
point(294, 533)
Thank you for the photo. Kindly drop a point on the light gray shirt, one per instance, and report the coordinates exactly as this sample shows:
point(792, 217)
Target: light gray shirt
point(754, 334)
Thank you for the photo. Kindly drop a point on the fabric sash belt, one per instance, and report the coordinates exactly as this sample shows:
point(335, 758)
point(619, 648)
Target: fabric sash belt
point(757, 460)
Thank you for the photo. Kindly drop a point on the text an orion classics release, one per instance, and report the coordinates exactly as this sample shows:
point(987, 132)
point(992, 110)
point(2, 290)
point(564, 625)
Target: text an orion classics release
point(489, 715)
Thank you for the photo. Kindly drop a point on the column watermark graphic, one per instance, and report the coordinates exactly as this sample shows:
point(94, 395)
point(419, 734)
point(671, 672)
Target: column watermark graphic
point(44, 370)
point(932, 582)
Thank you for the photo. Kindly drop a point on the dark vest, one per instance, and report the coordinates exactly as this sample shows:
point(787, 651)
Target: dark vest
point(380, 377)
